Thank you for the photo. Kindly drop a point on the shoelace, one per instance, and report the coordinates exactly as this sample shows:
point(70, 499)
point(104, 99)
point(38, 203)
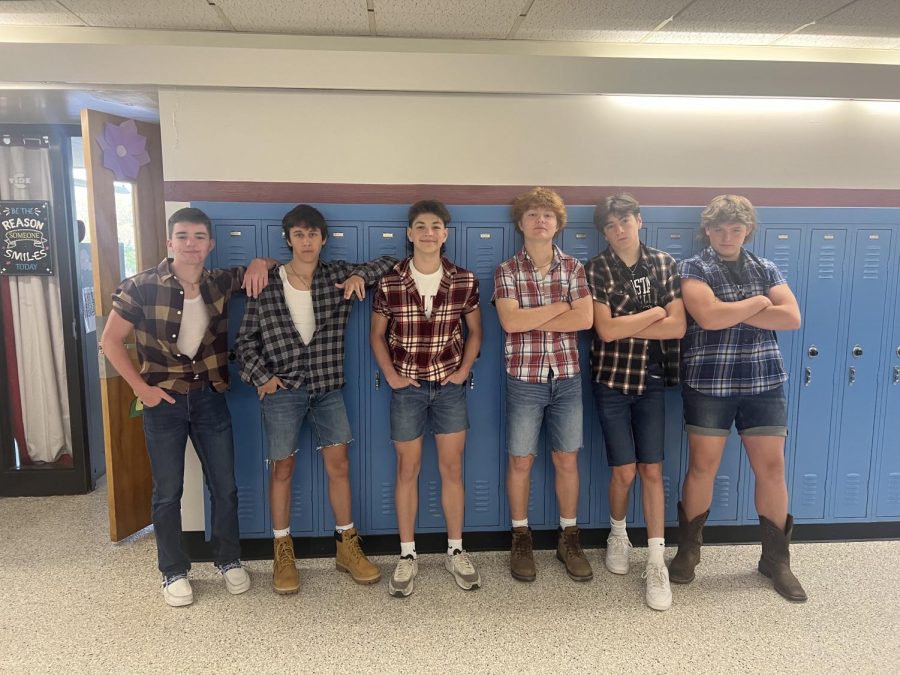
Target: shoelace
point(619, 545)
point(522, 544)
point(654, 576)
point(355, 548)
point(573, 544)
point(233, 565)
point(404, 569)
point(167, 581)
point(463, 562)
point(283, 554)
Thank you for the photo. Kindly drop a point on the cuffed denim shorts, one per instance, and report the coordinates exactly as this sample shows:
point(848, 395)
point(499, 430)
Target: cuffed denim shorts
point(762, 414)
point(440, 407)
point(528, 403)
point(634, 426)
point(284, 412)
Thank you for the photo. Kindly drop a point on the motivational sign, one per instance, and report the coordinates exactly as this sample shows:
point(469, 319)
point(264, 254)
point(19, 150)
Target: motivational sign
point(25, 238)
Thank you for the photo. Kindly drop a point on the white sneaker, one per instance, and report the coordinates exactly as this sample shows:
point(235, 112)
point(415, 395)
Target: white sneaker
point(403, 578)
point(659, 594)
point(459, 564)
point(618, 549)
point(237, 580)
point(177, 591)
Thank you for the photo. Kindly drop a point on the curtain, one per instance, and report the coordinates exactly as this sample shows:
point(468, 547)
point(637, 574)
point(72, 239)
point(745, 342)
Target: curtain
point(34, 303)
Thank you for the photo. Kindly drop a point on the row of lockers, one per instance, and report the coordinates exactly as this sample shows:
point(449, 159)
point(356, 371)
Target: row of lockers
point(843, 456)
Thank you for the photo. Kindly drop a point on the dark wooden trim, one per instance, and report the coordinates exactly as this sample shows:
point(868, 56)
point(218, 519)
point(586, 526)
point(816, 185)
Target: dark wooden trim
point(370, 193)
point(199, 550)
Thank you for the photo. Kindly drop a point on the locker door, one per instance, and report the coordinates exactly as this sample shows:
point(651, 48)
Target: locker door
point(343, 244)
point(236, 242)
point(888, 475)
point(781, 246)
point(381, 460)
point(274, 244)
point(303, 499)
point(678, 242)
point(817, 372)
point(485, 443)
point(859, 375)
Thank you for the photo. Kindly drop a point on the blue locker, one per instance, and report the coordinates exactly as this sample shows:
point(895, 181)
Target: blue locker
point(859, 378)
point(485, 248)
point(887, 503)
point(236, 242)
point(781, 245)
point(817, 371)
point(274, 244)
point(381, 239)
point(303, 498)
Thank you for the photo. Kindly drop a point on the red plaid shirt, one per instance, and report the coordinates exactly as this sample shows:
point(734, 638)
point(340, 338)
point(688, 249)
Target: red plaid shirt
point(421, 348)
point(531, 355)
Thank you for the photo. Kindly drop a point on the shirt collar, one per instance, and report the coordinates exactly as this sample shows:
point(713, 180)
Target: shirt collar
point(165, 271)
point(554, 261)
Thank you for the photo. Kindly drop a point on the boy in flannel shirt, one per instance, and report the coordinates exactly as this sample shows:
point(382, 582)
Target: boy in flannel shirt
point(179, 314)
point(732, 373)
point(638, 320)
point(417, 340)
point(543, 300)
point(291, 348)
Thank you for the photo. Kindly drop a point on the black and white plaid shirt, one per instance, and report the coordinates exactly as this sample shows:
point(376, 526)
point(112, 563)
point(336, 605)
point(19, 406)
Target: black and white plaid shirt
point(268, 343)
point(622, 364)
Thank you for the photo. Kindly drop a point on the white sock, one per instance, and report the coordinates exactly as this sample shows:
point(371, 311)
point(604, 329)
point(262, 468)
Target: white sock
point(567, 522)
point(520, 523)
point(408, 548)
point(656, 546)
point(454, 545)
point(340, 528)
point(286, 532)
point(618, 527)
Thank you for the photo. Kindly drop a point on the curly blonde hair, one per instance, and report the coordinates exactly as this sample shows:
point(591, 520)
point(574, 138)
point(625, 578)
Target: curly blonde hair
point(543, 197)
point(726, 210)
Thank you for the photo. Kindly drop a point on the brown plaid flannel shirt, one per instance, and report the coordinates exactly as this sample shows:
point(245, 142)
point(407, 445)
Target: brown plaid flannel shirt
point(426, 349)
point(153, 301)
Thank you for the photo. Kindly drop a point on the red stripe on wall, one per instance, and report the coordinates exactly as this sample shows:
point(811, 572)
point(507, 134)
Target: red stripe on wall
point(369, 193)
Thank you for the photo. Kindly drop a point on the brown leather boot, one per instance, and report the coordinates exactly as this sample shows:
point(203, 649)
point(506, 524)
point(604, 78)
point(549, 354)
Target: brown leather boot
point(350, 558)
point(521, 556)
point(775, 562)
point(569, 552)
point(690, 537)
point(285, 578)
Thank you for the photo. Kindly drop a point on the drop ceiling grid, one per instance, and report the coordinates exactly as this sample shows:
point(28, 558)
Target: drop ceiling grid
point(37, 13)
point(156, 14)
point(595, 20)
point(310, 17)
point(475, 19)
point(874, 18)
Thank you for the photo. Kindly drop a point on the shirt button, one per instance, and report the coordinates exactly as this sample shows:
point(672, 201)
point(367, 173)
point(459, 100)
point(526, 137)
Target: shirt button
point(174, 336)
point(178, 312)
point(180, 292)
point(179, 355)
point(196, 377)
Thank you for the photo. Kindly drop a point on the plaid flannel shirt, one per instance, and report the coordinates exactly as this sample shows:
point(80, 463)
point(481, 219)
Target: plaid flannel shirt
point(531, 355)
point(153, 301)
point(622, 364)
point(269, 345)
point(421, 348)
point(742, 360)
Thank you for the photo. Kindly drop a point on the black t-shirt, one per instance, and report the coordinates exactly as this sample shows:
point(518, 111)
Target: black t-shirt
point(646, 293)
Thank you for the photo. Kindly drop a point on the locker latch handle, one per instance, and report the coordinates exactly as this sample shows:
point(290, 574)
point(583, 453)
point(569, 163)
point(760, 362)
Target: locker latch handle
point(378, 379)
point(807, 377)
point(896, 374)
point(471, 380)
point(851, 375)
point(813, 351)
point(857, 351)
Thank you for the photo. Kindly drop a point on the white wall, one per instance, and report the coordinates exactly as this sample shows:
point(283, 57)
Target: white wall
point(520, 139)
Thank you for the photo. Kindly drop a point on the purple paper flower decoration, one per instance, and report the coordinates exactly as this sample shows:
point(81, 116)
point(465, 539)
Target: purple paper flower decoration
point(124, 149)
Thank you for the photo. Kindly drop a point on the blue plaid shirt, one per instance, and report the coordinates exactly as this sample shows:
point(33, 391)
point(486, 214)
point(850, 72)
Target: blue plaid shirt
point(737, 361)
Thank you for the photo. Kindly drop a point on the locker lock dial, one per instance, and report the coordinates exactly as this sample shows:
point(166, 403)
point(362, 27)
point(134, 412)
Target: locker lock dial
point(857, 351)
point(813, 351)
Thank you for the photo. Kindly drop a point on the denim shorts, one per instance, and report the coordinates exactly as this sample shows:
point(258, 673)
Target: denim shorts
point(528, 403)
point(634, 426)
point(284, 412)
point(440, 406)
point(762, 414)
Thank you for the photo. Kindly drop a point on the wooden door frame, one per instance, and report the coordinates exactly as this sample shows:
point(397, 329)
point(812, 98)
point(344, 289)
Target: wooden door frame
point(35, 480)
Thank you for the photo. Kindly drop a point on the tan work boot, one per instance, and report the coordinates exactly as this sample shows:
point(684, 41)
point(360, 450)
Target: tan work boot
point(350, 558)
point(569, 552)
point(521, 556)
point(285, 578)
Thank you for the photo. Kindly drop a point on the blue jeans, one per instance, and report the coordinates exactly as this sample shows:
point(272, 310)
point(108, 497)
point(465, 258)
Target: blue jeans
point(634, 426)
point(762, 414)
point(203, 416)
point(283, 414)
point(527, 403)
point(441, 407)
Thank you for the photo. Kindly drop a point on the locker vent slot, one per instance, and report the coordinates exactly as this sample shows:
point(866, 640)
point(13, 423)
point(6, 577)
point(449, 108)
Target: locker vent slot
point(810, 489)
point(852, 489)
point(872, 263)
point(893, 488)
point(826, 261)
point(723, 491)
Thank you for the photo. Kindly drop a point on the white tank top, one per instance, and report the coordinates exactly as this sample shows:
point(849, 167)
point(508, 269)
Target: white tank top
point(194, 322)
point(300, 305)
point(427, 285)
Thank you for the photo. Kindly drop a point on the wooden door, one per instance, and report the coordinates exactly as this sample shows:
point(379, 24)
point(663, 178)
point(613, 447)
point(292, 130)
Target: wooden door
point(109, 144)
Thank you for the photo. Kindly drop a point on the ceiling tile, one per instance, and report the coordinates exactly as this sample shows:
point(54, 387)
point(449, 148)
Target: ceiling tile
point(875, 18)
point(839, 41)
point(446, 19)
point(167, 14)
point(685, 38)
point(742, 17)
point(44, 13)
point(595, 20)
point(300, 17)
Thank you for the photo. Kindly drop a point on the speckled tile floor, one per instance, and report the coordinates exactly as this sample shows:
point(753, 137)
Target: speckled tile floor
point(74, 603)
